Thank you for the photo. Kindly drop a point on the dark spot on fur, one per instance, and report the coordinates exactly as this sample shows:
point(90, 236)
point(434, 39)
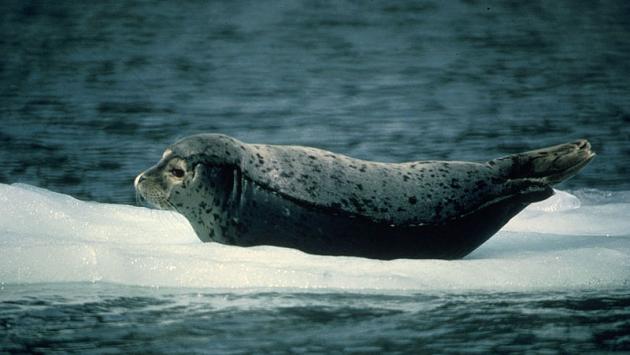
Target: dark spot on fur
point(481, 184)
point(455, 184)
point(336, 178)
point(285, 174)
point(413, 200)
point(357, 204)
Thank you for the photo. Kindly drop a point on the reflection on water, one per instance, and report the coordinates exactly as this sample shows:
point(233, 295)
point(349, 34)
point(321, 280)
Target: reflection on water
point(92, 93)
point(79, 317)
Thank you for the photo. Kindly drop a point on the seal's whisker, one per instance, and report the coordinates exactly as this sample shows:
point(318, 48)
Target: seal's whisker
point(140, 201)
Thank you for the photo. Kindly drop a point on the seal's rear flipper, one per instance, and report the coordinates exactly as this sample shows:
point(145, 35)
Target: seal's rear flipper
point(549, 165)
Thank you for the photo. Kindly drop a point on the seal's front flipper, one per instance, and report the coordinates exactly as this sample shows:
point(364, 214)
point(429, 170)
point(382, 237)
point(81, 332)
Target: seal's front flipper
point(549, 165)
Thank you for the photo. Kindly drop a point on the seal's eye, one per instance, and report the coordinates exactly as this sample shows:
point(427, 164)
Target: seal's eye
point(177, 172)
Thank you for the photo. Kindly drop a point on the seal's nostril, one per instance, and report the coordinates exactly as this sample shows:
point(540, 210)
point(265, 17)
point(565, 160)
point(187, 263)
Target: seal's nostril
point(140, 178)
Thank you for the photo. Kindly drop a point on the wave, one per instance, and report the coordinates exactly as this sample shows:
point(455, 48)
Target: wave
point(578, 240)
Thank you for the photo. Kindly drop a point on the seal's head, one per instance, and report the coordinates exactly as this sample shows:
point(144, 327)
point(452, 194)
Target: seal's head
point(170, 176)
point(194, 177)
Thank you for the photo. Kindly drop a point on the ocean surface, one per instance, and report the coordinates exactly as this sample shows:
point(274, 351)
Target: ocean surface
point(92, 93)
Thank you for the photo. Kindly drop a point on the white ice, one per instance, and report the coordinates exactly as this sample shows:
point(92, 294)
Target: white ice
point(560, 243)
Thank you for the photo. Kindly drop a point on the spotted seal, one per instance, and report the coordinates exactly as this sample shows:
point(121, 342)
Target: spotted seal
point(330, 204)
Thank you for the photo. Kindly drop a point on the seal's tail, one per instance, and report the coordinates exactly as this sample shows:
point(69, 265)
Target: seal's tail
point(549, 165)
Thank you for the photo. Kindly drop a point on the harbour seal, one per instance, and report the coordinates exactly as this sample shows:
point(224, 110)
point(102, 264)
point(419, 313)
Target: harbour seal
point(330, 204)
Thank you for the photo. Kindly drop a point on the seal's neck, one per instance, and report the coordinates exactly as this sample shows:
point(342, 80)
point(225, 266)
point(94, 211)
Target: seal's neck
point(207, 202)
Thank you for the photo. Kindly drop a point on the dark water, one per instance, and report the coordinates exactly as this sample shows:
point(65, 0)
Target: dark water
point(84, 317)
point(91, 93)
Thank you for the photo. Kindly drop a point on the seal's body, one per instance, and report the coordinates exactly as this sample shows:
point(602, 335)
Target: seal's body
point(326, 203)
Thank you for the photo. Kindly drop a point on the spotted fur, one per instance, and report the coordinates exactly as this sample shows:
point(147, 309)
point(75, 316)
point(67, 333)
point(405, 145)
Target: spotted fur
point(235, 192)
